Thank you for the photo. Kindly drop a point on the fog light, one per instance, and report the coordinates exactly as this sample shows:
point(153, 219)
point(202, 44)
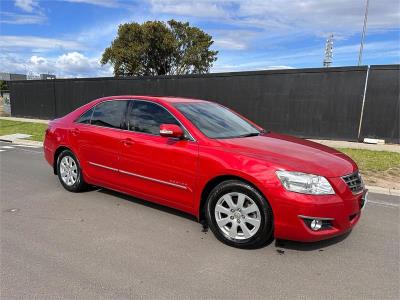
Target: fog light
point(316, 224)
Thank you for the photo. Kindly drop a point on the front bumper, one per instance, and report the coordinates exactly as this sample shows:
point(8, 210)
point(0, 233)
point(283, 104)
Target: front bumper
point(293, 213)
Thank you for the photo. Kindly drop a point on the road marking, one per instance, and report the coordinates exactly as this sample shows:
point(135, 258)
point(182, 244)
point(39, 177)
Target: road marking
point(28, 146)
point(31, 151)
point(7, 147)
point(2, 150)
point(383, 203)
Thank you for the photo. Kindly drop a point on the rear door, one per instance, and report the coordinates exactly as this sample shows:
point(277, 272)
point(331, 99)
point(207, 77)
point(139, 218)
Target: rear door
point(96, 135)
point(161, 168)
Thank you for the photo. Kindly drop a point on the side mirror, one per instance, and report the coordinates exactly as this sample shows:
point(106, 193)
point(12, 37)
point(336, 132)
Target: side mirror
point(171, 130)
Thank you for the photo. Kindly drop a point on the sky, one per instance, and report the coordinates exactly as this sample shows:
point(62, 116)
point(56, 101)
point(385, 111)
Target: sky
point(68, 37)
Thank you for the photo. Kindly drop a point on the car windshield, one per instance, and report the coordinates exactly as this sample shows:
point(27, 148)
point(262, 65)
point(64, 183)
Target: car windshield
point(216, 121)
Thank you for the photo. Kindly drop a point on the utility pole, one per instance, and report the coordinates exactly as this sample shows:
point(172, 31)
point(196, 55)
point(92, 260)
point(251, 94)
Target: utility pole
point(328, 52)
point(363, 33)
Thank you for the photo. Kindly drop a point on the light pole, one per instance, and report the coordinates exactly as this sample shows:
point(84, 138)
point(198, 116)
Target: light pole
point(363, 34)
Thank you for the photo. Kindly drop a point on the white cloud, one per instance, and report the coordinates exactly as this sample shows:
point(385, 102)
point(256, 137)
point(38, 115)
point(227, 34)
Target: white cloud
point(12, 63)
point(226, 43)
point(99, 35)
point(33, 13)
point(221, 68)
point(11, 42)
point(105, 3)
point(39, 65)
point(287, 17)
point(319, 17)
point(274, 23)
point(70, 64)
point(233, 39)
point(20, 19)
point(26, 5)
point(194, 8)
point(75, 63)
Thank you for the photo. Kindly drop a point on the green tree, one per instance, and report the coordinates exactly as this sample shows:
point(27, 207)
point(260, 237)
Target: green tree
point(159, 48)
point(3, 85)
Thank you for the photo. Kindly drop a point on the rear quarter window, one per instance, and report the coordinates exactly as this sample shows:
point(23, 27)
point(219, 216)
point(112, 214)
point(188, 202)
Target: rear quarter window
point(85, 117)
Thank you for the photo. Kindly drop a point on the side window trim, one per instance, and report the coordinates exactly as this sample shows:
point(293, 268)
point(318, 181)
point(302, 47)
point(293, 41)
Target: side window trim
point(93, 108)
point(132, 101)
point(127, 121)
point(91, 115)
point(127, 110)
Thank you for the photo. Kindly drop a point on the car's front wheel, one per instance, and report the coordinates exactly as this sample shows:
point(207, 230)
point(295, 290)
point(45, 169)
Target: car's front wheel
point(239, 215)
point(69, 172)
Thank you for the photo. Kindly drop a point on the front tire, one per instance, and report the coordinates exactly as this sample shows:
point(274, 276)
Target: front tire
point(239, 215)
point(69, 172)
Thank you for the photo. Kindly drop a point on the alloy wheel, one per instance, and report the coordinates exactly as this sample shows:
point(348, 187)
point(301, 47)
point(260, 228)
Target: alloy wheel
point(68, 170)
point(237, 216)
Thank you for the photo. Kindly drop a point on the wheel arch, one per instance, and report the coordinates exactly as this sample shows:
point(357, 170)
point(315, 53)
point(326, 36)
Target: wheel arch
point(212, 183)
point(56, 154)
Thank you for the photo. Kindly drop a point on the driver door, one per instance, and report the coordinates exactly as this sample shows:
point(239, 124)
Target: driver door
point(163, 169)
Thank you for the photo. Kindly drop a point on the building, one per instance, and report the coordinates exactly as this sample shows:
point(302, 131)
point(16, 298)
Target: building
point(11, 76)
point(47, 76)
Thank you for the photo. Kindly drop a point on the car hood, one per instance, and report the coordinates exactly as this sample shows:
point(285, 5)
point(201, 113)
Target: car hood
point(294, 154)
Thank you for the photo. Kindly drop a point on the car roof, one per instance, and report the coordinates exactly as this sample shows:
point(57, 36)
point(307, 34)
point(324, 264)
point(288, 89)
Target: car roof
point(180, 99)
point(169, 99)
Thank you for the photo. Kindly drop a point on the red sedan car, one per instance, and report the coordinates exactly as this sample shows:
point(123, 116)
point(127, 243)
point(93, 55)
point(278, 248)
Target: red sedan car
point(249, 185)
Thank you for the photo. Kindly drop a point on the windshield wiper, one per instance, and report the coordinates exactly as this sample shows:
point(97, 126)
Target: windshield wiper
point(250, 134)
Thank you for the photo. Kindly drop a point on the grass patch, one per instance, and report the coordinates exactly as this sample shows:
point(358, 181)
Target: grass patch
point(368, 160)
point(35, 129)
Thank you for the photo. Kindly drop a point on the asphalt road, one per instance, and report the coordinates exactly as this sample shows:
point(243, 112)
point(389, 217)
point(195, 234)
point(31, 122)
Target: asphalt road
point(102, 245)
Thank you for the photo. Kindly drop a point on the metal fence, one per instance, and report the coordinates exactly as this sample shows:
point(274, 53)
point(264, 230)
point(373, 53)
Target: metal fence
point(314, 103)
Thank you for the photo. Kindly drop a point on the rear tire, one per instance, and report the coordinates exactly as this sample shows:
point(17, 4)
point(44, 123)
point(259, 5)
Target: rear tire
point(239, 215)
point(69, 172)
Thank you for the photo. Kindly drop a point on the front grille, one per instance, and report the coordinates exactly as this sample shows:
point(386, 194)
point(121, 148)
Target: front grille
point(354, 182)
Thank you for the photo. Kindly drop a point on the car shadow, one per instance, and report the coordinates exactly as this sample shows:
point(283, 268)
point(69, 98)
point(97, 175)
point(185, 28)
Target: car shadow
point(279, 244)
point(153, 205)
point(312, 246)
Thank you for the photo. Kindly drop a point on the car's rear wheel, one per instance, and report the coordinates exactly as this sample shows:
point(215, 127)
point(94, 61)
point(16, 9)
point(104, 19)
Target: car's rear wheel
point(239, 215)
point(69, 172)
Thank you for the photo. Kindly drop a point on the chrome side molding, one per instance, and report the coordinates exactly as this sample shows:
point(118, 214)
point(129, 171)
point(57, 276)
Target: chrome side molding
point(183, 187)
point(103, 166)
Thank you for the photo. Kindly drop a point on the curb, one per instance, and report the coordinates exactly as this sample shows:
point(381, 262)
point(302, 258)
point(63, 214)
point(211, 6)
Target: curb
point(28, 120)
point(23, 142)
point(385, 191)
point(355, 145)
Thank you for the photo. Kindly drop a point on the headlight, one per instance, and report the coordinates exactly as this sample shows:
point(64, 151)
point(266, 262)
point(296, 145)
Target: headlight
point(305, 183)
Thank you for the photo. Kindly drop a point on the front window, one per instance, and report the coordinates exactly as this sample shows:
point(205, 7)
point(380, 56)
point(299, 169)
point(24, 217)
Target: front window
point(146, 117)
point(216, 121)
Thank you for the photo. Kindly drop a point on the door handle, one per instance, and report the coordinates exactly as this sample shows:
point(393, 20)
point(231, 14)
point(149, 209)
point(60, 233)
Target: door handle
point(75, 131)
point(128, 142)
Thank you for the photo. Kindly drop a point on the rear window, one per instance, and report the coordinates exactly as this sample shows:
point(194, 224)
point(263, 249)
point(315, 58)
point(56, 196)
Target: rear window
point(109, 114)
